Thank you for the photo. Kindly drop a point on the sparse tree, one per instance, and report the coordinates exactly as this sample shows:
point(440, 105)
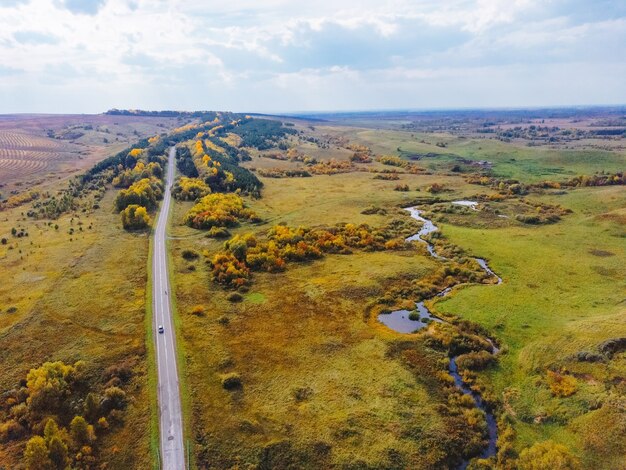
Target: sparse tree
point(114, 399)
point(57, 450)
point(81, 432)
point(92, 407)
point(51, 430)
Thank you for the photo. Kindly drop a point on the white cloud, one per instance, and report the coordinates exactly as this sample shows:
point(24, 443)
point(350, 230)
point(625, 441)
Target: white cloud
point(284, 54)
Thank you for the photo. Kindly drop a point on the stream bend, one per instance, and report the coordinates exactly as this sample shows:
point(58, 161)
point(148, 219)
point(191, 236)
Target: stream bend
point(399, 321)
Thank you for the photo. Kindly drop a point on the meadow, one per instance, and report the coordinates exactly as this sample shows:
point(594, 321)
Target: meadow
point(318, 377)
point(292, 369)
point(563, 294)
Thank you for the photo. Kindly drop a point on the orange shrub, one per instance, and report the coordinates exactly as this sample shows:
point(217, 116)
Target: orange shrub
point(228, 270)
point(561, 385)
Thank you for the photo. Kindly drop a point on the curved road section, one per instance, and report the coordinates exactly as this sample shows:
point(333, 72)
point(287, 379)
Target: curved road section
point(170, 414)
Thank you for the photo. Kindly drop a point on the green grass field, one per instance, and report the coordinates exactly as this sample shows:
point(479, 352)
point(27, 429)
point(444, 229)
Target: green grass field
point(563, 293)
point(528, 164)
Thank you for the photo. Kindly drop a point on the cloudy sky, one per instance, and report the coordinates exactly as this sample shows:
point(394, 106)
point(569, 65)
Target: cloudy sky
point(277, 55)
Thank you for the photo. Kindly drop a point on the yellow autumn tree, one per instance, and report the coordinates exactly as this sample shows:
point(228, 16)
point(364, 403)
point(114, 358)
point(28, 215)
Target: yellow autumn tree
point(218, 210)
point(36, 455)
point(190, 189)
point(145, 192)
point(135, 217)
point(49, 385)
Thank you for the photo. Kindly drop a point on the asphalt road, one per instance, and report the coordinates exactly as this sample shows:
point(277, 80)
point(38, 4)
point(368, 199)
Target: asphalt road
point(170, 413)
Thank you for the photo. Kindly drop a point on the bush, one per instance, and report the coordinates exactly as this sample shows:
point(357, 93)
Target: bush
point(231, 381)
point(283, 173)
point(387, 176)
point(218, 232)
point(122, 371)
point(81, 432)
point(360, 157)
point(561, 385)
point(435, 188)
point(302, 393)
point(36, 454)
point(391, 160)
point(145, 192)
point(547, 455)
point(475, 360)
point(190, 189)
point(228, 270)
point(374, 210)
point(234, 297)
point(190, 254)
point(197, 310)
point(135, 217)
point(219, 210)
point(10, 430)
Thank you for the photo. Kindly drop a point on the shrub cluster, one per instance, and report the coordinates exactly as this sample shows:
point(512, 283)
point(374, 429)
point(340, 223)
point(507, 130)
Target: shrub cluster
point(561, 385)
point(387, 176)
point(228, 270)
point(436, 188)
point(19, 199)
point(135, 217)
point(362, 153)
point(514, 187)
point(600, 179)
point(282, 173)
point(219, 210)
point(292, 155)
point(141, 170)
point(392, 160)
point(145, 192)
point(190, 189)
point(245, 253)
point(62, 415)
point(331, 167)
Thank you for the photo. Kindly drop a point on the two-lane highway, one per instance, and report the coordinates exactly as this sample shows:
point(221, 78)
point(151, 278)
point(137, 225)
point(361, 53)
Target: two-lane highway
point(170, 412)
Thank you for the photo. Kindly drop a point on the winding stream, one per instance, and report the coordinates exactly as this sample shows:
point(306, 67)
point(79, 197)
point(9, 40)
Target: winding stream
point(401, 322)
